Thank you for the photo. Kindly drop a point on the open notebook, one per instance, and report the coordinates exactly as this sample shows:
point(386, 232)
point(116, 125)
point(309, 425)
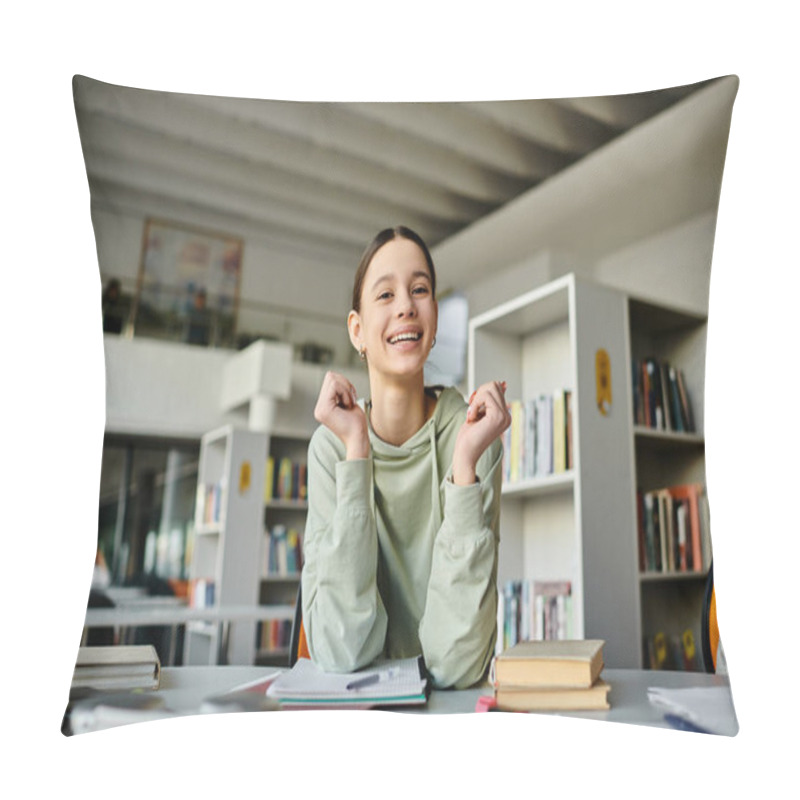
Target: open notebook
point(386, 683)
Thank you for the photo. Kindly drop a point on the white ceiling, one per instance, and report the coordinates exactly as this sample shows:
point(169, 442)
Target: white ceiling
point(320, 179)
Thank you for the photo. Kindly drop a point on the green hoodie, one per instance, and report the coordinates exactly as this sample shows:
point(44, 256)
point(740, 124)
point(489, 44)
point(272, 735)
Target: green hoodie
point(399, 561)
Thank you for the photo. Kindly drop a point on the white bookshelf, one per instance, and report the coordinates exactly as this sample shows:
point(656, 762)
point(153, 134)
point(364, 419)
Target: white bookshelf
point(580, 525)
point(224, 549)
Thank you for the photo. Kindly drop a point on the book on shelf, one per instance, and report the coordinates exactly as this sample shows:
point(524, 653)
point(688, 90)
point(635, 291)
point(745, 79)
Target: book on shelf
point(283, 551)
point(660, 396)
point(285, 479)
point(539, 441)
point(673, 529)
point(569, 423)
point(209, 502)
point(273, 634)
point(201, 592)
point(550, 676)
point(269, 479)
point(384, 683)
point(534, 609)
point(117, 667)
point(559, 432)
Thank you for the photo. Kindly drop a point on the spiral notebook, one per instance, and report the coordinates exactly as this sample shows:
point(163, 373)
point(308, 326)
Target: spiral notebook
point(384, 683)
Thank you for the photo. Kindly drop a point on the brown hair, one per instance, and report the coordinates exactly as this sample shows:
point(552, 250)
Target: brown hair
point(387, 235)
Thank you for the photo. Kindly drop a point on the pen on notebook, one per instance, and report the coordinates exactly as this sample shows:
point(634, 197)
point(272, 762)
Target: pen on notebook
point(374, 677)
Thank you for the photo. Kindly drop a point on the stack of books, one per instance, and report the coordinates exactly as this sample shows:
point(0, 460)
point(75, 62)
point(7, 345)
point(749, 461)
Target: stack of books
point(117, 668)
point(550, 676)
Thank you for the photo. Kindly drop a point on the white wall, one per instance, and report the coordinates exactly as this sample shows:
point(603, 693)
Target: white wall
point(672, 267)
point(162, 388)
point(156, 388)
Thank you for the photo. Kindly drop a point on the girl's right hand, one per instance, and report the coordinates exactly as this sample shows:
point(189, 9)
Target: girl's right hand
point(337, 410)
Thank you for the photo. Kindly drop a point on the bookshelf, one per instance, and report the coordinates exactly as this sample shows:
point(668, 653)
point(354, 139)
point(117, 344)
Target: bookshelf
point(671, 594)
point(228, 529)
point(576, 526)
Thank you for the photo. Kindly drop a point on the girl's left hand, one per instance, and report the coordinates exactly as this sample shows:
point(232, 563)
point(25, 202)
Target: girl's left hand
point(488, 416)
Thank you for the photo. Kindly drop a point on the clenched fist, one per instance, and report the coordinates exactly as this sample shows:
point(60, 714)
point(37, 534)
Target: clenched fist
point(337, 410)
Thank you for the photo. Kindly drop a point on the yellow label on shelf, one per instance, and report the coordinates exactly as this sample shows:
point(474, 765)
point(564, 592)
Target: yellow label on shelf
point(660, 642)
point(244, 477)
point(688, 643)
point(602, 370)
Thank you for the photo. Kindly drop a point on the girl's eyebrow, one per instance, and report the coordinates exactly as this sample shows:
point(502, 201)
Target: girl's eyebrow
point(420, 273)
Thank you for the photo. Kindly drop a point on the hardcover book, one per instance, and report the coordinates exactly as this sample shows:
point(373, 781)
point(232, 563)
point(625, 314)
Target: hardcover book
point(570, 663)
point(555, 699)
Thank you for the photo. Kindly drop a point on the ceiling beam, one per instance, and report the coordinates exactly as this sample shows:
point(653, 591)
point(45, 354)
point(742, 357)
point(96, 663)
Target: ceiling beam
point(457, 127)
point(110, 145)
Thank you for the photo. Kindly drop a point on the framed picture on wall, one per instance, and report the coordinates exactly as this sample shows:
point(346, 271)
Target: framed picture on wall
point(188, 284)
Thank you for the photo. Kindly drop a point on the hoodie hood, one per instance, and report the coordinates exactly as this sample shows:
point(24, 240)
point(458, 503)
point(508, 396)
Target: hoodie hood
point(419, 457)
point(449, 405)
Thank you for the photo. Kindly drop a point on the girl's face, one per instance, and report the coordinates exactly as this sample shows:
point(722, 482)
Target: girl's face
point(398, 317)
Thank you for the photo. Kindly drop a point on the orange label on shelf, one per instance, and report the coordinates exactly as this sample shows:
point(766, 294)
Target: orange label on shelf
point(244, 477)
point(602, 371)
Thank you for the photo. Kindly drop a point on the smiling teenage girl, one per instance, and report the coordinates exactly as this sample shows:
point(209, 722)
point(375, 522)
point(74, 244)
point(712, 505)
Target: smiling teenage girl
point(402, 531)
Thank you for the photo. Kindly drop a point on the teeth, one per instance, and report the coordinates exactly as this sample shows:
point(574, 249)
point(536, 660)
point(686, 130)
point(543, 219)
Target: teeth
point(405, 337)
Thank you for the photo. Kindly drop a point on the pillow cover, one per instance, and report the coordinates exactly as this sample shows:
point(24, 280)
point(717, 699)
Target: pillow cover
point(227, 234)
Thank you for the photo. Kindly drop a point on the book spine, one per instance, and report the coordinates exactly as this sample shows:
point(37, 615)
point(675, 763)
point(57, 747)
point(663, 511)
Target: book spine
point(685, 402)
point(640, 531)
point(570, 449)
point(559, 432)
point(530, 438)
point(680, 511)
point(679, 422)
point(705, 529)
point(269, 480)
point(666, 403)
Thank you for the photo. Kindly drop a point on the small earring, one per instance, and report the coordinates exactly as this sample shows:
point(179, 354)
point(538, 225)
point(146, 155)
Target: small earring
point(362, 353)
point(434, 343)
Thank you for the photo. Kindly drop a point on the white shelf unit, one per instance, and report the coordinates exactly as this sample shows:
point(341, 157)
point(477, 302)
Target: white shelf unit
point(577, 526)
point(671, 602)
point(224, 549)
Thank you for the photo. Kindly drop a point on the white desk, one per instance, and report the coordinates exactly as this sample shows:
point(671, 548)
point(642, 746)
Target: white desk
point(183, 690)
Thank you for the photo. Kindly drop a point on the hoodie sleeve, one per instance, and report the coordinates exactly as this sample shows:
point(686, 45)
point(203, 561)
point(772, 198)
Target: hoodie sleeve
point(343, 614)
point(459, 627)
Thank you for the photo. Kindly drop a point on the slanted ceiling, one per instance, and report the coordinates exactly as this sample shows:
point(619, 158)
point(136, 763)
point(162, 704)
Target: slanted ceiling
point(319, 179)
